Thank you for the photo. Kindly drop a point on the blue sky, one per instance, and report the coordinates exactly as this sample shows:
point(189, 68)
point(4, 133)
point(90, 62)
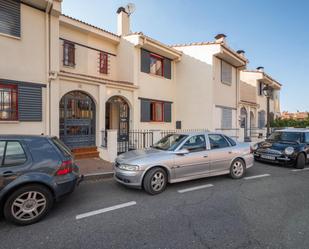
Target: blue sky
point(274, 34)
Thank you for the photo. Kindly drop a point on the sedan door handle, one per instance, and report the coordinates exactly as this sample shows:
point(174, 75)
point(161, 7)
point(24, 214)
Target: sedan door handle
point(230, 152)
point(205, 156)
point(8, 174)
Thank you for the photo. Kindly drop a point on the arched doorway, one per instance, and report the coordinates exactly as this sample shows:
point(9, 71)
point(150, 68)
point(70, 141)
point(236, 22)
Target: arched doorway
point(77, 120)
point(117, 116)
point(244, 120)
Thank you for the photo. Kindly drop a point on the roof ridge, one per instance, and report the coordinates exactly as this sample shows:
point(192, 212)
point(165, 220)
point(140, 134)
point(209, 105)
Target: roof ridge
point(195, 44)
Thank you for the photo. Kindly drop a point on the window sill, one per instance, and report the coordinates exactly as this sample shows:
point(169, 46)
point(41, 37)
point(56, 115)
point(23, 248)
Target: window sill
point(9, 122)
point(10, 36)
point(157, 76)
point(69, 66)
point(226, 83)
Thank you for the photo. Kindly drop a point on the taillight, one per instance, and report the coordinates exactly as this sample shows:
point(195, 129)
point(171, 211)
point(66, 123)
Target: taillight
point(65, 168)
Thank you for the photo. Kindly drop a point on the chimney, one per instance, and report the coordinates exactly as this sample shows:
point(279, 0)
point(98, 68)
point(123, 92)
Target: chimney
point(260, 69)
point(241, 52)
point(220, 38)
point(123, 22)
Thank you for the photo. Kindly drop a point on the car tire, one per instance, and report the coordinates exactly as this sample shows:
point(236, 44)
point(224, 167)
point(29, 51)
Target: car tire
point(28, 205)
point(155, 181)
point(237, 169)
point(300, 161)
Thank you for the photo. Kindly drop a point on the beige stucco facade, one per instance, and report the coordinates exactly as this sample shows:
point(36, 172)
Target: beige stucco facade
point(253, 101)
point(195, 89)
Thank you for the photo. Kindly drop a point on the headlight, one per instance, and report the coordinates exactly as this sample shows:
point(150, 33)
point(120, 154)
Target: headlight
point(289, 151)
point(254, 146)
point(128, 167)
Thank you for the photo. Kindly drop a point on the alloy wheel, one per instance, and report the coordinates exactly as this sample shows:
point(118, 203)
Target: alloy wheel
point(158, 181)
point(238, 168)
point(28, 205)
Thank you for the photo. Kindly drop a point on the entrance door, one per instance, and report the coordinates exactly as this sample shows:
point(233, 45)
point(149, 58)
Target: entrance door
point(117, 117)
point(244, 120)
point(77, 120)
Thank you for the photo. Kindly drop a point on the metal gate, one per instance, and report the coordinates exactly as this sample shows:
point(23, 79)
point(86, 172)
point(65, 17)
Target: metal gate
point(77, 120)
point(137, 139)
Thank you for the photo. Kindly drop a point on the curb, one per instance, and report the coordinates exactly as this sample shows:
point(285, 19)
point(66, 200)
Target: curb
point(98, 176)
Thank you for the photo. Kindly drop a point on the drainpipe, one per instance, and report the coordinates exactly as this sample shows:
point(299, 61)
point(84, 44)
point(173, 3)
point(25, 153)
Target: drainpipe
point(48, 61)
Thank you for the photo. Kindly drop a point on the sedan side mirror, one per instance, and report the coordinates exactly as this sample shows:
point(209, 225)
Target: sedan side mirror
point(182, 152)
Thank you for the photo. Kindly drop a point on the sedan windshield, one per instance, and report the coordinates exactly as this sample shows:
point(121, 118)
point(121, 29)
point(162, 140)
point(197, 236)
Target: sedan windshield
point(285, 136)
point(170, 142)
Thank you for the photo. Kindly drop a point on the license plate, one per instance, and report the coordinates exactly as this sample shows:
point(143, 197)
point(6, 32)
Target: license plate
point(268, 157)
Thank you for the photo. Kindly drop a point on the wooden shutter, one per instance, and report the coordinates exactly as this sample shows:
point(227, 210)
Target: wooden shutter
point(10, 17)
point(226, 73)
point(167, 112)
point(226, 118)
point(145, 110)
point(167, 68)
point(103, 63)
point(145, 61)
point(29, 102)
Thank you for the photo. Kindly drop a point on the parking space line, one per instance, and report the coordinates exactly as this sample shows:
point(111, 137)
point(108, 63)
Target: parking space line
point(104, 210)
point(257, 176)
point(297, 170)
point(194, 188)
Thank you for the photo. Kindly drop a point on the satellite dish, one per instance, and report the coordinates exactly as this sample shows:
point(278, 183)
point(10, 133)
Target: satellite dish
point(130, 8)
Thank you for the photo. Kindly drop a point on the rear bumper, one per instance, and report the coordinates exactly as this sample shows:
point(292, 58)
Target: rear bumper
point(66, 186)
point(249, 160)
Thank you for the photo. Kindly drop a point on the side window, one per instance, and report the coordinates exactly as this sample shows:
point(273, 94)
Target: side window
point(217, 141)
point(306, 138)
point(195, 143)
point(231, 141)
point(2, 147)
point(14, 154)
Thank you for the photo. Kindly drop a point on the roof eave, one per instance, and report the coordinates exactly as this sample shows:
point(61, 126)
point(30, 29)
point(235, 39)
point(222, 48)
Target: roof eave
point(84, 27)
point(230, 56)
point(157, 47)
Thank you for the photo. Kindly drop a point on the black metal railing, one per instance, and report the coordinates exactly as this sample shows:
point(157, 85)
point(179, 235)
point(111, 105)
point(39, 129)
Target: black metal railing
point(136, 139)
point(167, 132)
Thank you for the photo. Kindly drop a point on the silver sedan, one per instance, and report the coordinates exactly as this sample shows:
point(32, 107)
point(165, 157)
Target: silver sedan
point(182, 157)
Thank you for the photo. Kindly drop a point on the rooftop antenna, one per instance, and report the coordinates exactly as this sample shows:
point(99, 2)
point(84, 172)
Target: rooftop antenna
point(130, 8)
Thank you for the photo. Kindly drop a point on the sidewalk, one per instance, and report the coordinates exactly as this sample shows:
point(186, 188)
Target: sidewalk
point(95, 168)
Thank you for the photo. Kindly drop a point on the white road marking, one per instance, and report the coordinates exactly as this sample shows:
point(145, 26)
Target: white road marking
point(297, 170)
point(104, 210)
point(194, 188)
point(257, 176)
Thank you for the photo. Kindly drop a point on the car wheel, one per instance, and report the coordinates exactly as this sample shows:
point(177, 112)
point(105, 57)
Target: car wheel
point(155, 181)
point(300, 161)
point(238, 169)
point(28, 204)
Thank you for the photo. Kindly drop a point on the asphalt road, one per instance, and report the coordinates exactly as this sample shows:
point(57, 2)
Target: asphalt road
point(271, 211)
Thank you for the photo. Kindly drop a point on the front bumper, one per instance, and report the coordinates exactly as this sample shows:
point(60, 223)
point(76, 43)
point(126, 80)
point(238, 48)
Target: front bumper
point(129, 178)
point(276, 159)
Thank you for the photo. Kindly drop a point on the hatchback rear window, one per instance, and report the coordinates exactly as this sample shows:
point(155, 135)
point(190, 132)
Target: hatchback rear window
point(62, 147)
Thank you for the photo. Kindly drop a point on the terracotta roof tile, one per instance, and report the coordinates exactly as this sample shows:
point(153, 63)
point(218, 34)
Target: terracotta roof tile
point(90, 25)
